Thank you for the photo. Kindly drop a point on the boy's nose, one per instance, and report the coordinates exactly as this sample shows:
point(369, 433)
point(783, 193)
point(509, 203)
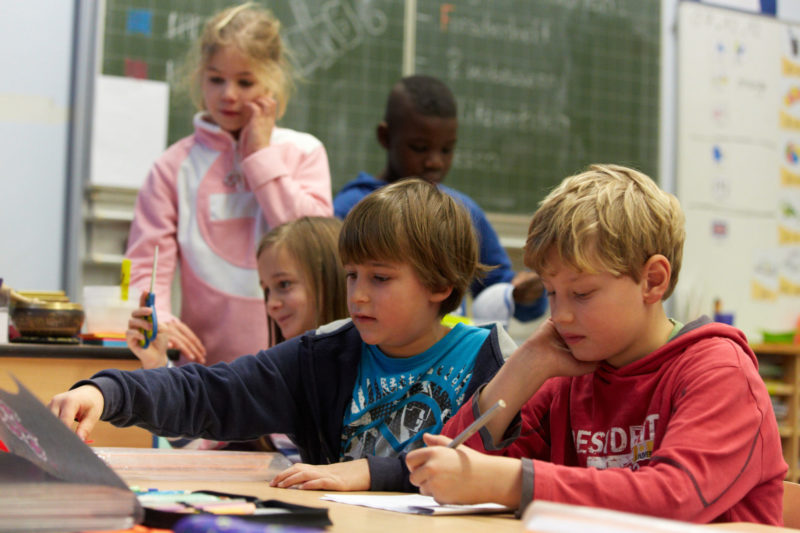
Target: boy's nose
point(356, 293)
point(560, 313)
point(434, 161)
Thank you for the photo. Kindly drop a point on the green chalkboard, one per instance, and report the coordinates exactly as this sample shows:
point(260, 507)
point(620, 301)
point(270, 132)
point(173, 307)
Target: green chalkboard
point(544, 87)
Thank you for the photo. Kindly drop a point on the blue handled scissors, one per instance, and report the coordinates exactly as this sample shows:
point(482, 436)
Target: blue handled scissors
point(151, 303)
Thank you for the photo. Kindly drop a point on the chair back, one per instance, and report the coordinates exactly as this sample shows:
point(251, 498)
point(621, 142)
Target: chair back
point(791, 504)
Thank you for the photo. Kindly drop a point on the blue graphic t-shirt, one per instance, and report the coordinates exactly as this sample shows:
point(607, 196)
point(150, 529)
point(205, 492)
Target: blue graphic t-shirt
point(397, 399)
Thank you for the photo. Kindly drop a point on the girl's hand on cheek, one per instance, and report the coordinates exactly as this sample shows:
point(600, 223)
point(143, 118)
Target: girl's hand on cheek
point(257, 132)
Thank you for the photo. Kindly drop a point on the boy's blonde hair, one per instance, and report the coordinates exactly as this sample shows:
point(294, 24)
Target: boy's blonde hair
point(313, 244)
point(254, 32)
point(610, 218)
point(414, 222)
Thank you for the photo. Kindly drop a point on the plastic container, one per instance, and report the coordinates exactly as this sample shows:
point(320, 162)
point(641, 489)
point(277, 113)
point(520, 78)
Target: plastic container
point(778, 337)
point(105, 310)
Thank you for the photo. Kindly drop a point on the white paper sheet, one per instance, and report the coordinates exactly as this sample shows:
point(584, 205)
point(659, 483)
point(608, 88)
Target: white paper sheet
point(413, 504)
point(129, 130)
point(550, 517)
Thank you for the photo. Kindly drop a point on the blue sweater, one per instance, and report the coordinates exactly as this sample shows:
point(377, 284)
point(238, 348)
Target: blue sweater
point(491, 251)
point(300, 387)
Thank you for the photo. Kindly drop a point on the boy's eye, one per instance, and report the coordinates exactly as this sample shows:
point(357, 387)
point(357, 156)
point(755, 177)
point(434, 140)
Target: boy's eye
point(246, 83)
point(582, 295)
point(419, 148)
point(381, 278)
point(215, 80)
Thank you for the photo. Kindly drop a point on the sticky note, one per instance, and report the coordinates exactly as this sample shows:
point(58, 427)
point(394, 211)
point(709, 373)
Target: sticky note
point(139, 21)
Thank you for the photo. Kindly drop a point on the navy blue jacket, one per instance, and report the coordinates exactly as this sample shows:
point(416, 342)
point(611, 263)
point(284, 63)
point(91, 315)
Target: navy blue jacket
point(300, 387)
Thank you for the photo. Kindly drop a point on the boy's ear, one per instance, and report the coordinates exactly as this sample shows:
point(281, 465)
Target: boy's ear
point(382, 133)
point(656, 274)
point(438, 296)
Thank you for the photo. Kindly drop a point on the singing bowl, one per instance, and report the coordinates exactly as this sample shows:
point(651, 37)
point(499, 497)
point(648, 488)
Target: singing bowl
point(47, 319)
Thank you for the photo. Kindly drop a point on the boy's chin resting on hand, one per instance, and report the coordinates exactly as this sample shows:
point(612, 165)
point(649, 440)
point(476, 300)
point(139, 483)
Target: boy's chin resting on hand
point(347, 476)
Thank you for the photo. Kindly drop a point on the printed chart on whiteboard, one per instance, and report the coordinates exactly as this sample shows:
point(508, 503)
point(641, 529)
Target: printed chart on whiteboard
point(739, 167)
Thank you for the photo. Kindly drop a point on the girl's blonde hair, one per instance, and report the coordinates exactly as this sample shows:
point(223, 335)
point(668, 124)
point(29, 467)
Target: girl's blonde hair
point(610, 218)
point(313, 244)
point(254, 32)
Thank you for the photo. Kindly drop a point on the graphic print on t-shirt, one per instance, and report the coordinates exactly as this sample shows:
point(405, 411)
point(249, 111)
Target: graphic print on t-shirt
point(396, 400)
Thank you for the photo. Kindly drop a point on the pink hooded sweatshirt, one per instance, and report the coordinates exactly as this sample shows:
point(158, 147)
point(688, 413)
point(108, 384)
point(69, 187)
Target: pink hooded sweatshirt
point(207, 211)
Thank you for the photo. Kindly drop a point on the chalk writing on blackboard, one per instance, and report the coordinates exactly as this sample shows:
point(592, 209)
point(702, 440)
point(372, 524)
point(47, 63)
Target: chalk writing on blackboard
point(319, 41)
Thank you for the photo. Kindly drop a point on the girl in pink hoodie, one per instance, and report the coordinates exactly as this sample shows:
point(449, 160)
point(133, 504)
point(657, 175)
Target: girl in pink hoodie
point(211, 196)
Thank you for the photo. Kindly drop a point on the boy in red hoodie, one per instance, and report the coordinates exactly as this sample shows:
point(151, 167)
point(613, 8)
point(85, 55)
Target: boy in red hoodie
point(611, 403)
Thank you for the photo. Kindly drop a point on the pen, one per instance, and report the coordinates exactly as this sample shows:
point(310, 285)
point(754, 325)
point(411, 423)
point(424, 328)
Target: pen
point(478, 424)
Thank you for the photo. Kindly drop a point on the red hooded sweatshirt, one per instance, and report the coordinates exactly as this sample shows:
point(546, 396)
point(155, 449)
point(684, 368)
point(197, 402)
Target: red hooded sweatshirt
point(687, 432)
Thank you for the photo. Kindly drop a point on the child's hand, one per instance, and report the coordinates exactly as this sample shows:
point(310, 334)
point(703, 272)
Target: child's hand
point(551, 354)
point(182, 338)
point(155, 355)
point(348, 476)
point(257, 132)
point(84, 405)
point(527, 287)
point(462, 475)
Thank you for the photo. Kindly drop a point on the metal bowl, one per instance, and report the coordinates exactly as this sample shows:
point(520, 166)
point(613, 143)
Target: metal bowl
point(47, 319)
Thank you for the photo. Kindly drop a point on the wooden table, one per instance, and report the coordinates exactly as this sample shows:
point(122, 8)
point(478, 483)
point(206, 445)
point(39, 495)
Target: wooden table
point(352, 518)
point(47, 369)
point(356, 519)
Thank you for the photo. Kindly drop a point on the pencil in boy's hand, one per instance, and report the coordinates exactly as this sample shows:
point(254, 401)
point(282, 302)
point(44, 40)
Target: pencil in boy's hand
point(478, 424)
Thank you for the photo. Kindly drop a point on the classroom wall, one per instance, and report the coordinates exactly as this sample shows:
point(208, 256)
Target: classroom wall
point(35, 62)
point(36, 37)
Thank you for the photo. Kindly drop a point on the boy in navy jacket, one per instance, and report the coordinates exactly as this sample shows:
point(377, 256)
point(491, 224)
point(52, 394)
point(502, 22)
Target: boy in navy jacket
point(353, 396)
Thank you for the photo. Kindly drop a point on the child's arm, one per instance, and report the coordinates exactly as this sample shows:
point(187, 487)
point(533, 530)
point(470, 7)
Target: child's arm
point(236, 401)
point(528, 288)
point(291, 179)
point(530, 301)
point(542, 356)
